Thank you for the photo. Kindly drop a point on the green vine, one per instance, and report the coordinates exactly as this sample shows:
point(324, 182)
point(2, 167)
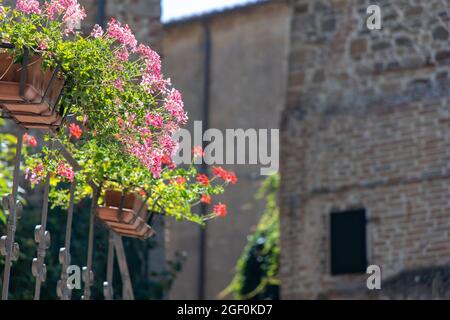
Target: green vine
point(256, 275)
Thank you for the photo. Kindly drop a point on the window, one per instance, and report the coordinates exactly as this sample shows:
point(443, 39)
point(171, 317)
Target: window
point(348, 242)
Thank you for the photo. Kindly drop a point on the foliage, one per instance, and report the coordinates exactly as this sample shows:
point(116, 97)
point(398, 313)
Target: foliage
point(257, 268)
point(122, 113)
point(8, 144)
point(145, 285)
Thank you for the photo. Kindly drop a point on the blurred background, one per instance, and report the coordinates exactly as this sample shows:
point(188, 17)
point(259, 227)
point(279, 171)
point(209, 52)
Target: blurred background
point(364, 119)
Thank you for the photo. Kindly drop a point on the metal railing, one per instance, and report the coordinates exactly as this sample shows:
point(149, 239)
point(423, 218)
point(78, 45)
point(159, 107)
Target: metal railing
point(10, 249)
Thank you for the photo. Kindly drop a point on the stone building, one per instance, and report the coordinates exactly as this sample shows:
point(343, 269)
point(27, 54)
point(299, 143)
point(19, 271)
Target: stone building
point(231, 67)
point(365, 150)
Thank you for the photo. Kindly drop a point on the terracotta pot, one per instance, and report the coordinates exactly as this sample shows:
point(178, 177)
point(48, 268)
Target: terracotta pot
point(125, 222)
point(113, 198)
point(33, 108)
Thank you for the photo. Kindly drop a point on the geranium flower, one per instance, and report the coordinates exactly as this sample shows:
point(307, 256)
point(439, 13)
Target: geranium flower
point(36, 174)
point(206, 199)
point(72, 13)
point(119, 85)
point(174, 104)
point(122, 55)
point(154, 120)
point(123, 34)
point(203, 179)
point(75, 131)
point(198, 152)
point(97, 31)
point(28, 6)
point(227, 176)
point(64, 170)
point(43, 45)
point(220, 210)
point(180, 180)
point(30, 140)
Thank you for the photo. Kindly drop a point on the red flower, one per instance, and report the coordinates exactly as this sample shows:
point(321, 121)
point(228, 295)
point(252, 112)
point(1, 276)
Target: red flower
point(219, 172)
point(180, 180)
point(227, 176)
point(64, 170)
point(232, 177)
point(30, 140)
point(166, 159)
point(75, 131)
point(220, 210)
point(206, 199)
point(168, 162)
point(203, 179)
point(198, 152)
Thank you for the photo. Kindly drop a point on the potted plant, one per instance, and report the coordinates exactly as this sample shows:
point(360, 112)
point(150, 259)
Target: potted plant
point(31, 80)
point(123, 117)
point(126, 213)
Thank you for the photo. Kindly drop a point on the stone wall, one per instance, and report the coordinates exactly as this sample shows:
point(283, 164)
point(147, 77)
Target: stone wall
point(366, 124)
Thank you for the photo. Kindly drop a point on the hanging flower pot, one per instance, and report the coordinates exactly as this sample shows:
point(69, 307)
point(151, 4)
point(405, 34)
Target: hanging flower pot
point(125, 214)
point(28, 93)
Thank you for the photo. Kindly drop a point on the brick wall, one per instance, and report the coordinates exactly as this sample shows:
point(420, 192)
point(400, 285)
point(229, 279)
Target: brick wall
point(142, 16)
point(366, 124)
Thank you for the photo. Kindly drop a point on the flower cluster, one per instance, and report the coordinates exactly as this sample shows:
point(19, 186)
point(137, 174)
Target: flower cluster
point(35, 174)
point(152, 147)
point(28, 6)
point(71, 11)
point(220, 210)
point(123, 34)
point(227, 176)
point(29, 140)
point(124, 112)
point(75, 131)
point(64, 170)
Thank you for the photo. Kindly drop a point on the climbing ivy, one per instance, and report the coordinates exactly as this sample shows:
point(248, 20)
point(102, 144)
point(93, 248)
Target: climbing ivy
point(256, 275)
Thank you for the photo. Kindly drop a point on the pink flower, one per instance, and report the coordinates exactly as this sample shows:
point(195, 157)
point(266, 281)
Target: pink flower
point(73, 16)
point(180, 180)
point(170, 127)
point(28, 6)
point(152, 58)
point(119, 85)
point(154, 120)
point(29, 139)
point(43, 45)
point(167, 144)
point(72, 13)
point(123, 34)
point(2, 10)
point(174, 104)
point(152, 77)
point(36, 174)
point(97, 31)
point(65, 171)
point(122, 54)
point(198, 152)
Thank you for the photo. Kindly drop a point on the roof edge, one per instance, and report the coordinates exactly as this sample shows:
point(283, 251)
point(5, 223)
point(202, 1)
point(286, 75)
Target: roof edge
point(211, 14)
